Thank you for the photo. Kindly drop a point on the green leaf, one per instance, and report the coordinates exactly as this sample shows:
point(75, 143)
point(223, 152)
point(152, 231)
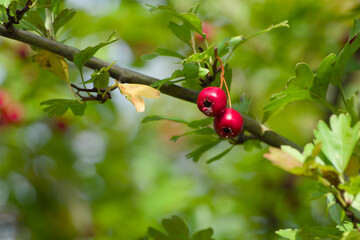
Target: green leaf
point(201, 123)
point(338, 67)
point(249, 145)
point(34, 18)
point(238, 40)
point(176, 228)
point(198, 152)
point(310, 233)
point(158, 117)
point(322, 77)
point(355, 30)
point(62, 18)
point(147, 57)
point(288, 233)
point(2, 13)
point(182, 32)
point(321, 191)
point(335, 210)
point(353, 106)
point(204, 234)
point(157, 235)
point(304, 86)
point(190, 19)
point(338, 141)
point(85, 55)
point(351, 236)
point(191, 70)
point(58, 107)
point(220, 155)
point(169, 53)
point(201, 57)
point(353, 186)
point(201, 131)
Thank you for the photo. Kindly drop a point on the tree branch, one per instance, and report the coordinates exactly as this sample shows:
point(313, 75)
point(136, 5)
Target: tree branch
point(261, 132)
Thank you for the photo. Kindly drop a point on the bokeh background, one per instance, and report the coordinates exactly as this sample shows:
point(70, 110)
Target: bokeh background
point(107, 176)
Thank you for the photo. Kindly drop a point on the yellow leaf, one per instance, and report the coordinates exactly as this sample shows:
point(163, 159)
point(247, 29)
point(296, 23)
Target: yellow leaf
point(135, 93)
point(53, 63)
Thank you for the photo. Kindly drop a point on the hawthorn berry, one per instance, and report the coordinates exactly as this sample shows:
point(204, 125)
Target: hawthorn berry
point(13, 113)
point(212, 101)
point(4, 98)
point(229, 123)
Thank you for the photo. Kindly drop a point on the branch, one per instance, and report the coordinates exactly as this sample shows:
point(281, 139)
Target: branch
point(261, 132)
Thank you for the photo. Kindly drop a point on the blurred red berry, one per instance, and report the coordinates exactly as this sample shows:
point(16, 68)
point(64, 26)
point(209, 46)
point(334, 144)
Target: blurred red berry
point(208, 29)
point(14, 112)
point(4, 98)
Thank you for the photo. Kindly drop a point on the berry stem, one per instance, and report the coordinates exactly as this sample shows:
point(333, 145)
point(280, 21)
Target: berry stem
point(222, 80)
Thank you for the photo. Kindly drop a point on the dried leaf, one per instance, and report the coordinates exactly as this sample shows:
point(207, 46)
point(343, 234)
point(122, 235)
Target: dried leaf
point(282, 159)
point(135, 93)
point(53, 63)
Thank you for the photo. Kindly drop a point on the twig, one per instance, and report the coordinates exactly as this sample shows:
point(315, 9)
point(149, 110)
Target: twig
point(261, 132)
point(18, 15)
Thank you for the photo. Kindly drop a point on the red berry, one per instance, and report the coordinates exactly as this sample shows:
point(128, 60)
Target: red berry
point(211, 101)
point(229, 123)
point(14, 112)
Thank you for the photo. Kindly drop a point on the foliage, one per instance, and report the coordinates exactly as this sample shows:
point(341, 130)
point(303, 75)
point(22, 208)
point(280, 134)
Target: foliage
point(106, 176)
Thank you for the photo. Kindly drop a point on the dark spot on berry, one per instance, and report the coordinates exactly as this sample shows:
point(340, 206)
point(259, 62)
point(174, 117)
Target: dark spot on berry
point(207, 104)
point(226, 130)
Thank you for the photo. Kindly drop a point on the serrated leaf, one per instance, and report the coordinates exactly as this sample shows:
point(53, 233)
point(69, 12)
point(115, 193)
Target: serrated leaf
point(198, 152)
point(157, 235)
point(58, 107)
point(176, 228)
point(158, 117)
point(182, 32)
point(205, 234)
point(168, 52)
point(338, 141)
point(304, 86)
point(85, 55)
point(34, 18)
point(220, 155)
point(201, 131)
point(53, 63)
point(62, 18)
point(135, 93)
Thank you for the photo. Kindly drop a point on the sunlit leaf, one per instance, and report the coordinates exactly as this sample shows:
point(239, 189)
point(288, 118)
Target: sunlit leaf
point(158, 117)
point(53, 63)
point(338, 141)
point(135, 93)
point(168, 52)
point(182, 32)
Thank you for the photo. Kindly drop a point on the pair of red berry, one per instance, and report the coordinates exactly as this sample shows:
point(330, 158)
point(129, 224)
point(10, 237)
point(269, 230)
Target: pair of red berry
point(212, 102)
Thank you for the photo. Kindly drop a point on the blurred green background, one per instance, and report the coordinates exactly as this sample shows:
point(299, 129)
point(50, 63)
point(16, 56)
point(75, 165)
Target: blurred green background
point(107, 176)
